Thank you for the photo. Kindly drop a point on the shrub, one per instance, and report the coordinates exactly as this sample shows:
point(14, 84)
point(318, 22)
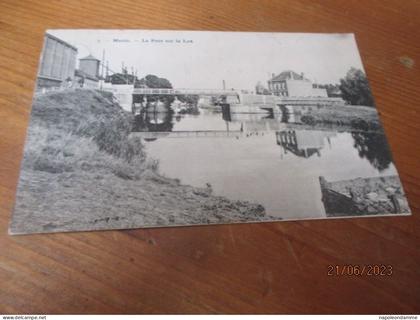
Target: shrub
point(359, 123)
point(308, 119)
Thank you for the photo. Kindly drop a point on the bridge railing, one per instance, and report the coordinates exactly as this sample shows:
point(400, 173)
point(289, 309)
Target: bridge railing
point(183, 91)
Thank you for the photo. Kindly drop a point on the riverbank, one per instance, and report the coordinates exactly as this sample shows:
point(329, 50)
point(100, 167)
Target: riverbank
point(83, 171)
point(343, 117)
point(364, 196)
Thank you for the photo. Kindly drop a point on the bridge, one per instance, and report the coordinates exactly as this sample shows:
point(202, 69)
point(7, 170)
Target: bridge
point(243, 99)
point(238, 100)
point(125, 93)
point(199, 92)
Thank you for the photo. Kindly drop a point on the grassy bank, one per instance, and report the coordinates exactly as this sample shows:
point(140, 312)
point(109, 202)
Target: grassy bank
point(82, 170)
point(351, 117)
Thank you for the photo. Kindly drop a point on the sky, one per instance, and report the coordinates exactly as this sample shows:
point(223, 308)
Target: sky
point(202, 60)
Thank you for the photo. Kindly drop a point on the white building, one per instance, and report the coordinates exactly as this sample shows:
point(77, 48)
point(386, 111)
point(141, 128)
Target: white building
point(290, 84)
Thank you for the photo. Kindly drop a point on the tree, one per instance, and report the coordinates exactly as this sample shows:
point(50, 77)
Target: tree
point(121, 78)
point(260, 89)
point(333, 90)
point(152, 81)
point(149, 81)
point(355, 88)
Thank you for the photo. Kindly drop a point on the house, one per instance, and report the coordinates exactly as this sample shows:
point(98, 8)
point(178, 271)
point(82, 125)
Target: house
point(291, 84)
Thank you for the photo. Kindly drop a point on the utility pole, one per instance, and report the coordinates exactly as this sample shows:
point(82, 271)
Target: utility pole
point(124, 72)
point(102, 63)
point(102, 68)
point(132, 74)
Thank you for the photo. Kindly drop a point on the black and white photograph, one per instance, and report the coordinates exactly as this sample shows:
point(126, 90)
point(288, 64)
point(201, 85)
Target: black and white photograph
point(143, 128)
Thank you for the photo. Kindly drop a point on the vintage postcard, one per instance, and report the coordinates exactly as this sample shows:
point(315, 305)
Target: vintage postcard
point(136, 128)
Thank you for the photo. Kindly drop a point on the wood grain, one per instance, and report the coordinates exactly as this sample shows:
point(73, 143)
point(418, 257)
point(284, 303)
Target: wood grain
point(249, 268)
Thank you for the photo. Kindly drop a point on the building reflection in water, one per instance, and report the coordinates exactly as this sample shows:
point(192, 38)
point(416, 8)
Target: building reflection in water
point(303, 143)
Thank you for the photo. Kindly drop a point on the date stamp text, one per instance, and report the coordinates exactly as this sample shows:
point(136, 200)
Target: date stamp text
point(372, 270)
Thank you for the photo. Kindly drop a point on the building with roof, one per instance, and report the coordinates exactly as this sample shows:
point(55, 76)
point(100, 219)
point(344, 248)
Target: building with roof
point(90, 66)
point(87, 76)
point(291, 84)
point(58, 62)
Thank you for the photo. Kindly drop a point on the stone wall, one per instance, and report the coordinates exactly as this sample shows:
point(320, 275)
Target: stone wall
point(363, 196)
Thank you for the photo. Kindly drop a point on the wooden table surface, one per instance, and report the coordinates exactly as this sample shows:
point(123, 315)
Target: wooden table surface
point(248, 268)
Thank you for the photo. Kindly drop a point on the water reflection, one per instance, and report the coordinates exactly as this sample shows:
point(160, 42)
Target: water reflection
point(303, 143)
point(154, 122)
point(261, 153)
point(374, 147)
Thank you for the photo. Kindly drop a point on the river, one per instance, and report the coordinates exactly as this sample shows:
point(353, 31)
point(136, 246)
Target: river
point(260, 158)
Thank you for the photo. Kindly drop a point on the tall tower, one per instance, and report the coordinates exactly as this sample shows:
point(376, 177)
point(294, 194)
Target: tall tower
point(90, 65)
